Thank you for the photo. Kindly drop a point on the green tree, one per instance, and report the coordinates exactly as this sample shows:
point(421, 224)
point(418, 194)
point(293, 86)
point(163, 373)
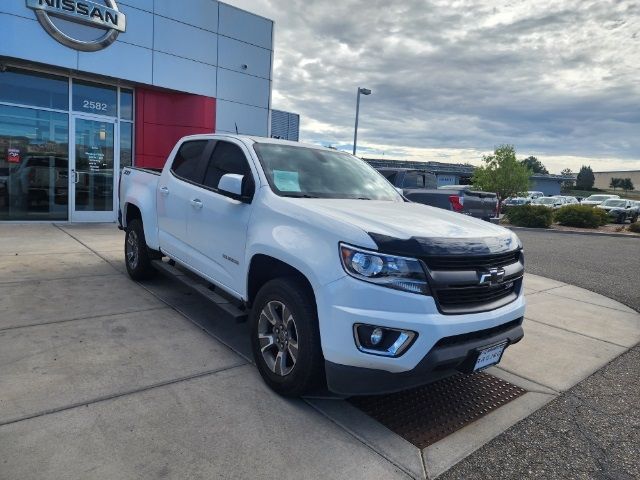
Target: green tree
point(585, 178)
point(615, 183)
point(502, 173)
point(534, 165)
point(567, 184)
point(626, 184)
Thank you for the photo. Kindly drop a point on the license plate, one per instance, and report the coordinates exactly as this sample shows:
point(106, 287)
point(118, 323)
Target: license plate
point(489, 356)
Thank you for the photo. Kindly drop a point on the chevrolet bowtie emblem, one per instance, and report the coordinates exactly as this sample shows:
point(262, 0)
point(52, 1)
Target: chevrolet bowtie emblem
point(492, 277)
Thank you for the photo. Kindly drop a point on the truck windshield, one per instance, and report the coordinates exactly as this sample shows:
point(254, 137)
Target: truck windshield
point(313, 173)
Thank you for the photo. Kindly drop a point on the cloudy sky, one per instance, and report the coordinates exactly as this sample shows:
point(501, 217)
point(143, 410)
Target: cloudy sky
point(559, 79)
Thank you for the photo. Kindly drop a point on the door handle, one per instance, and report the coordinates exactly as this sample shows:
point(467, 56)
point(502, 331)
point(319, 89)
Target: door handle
point(196, 203)
point(164, 191)
point(76, 177)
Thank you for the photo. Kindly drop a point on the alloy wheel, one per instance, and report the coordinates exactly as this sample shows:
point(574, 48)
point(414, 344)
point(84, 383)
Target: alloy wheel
point(278, 338)
point(132, 249)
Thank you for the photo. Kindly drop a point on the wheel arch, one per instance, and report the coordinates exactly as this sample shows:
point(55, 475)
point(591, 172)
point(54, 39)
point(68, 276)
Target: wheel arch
point(264, 268)
point(131, 212)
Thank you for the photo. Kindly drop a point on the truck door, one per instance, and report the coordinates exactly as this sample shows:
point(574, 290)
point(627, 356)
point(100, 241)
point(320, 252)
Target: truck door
point(175, 191)
point(217, 227)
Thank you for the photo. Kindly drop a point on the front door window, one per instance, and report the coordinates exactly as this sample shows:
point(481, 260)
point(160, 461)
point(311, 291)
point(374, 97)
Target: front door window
point(93, 178)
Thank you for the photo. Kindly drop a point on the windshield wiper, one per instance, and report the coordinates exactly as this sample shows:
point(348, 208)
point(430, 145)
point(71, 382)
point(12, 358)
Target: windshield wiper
point(298, 195)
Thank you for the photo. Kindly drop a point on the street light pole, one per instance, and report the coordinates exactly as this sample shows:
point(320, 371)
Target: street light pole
point(363, 91)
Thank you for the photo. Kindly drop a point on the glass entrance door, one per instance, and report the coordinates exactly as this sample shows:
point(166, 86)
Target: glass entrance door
point(92, 179)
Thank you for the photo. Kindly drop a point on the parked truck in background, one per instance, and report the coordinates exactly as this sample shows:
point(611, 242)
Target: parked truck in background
point(421, 187)
point(344, 281)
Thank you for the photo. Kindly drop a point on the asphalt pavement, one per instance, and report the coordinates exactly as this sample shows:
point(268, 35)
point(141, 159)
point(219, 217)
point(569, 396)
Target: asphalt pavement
point(592, 430)
point(606, 264)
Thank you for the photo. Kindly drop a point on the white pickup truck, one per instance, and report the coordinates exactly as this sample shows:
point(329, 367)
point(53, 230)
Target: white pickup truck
point(346, 284)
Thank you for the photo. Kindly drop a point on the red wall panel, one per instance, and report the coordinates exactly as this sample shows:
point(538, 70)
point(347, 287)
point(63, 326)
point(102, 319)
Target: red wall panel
point(163, 117)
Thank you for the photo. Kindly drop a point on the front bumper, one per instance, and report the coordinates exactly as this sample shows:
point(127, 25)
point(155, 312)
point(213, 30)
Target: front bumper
point(349, 301)
point(449, 356)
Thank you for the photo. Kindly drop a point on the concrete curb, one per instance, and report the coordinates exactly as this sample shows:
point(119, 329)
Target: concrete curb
point(551, 230)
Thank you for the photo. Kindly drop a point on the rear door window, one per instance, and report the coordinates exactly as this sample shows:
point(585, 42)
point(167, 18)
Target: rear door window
point(226, 158)
point(391, 176)
point(187, 162)
point(414, 180)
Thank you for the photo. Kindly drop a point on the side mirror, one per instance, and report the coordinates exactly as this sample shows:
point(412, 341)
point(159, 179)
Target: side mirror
point(231, 183)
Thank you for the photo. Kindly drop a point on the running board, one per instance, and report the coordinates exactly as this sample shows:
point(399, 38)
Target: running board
point(174, 272)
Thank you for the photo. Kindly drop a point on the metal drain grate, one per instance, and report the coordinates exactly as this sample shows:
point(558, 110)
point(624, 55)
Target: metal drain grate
point(429, 413)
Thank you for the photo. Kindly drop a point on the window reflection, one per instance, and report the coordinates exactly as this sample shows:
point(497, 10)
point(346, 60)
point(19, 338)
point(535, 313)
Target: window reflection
point(94, 98)
point(126, 144)
point(36, 89)
point(34, 164)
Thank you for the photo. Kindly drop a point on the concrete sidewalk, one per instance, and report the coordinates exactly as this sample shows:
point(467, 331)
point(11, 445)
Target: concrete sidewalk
point(101, 377)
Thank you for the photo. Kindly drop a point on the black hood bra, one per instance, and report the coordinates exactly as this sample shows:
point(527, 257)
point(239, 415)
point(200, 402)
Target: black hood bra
point(418, 246)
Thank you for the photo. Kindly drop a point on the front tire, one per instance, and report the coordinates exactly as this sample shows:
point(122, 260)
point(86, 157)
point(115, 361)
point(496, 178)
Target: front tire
point(285, 338)
point(137, 255)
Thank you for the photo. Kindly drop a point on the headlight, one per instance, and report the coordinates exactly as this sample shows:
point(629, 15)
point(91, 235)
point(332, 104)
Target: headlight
point(399, 273)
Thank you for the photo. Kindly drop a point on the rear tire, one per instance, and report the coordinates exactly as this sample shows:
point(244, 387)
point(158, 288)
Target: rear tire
point(285, 338)
point(137, 256)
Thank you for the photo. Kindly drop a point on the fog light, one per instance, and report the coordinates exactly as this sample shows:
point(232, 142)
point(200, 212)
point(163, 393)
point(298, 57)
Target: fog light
point(388, 342)
point(376, 336)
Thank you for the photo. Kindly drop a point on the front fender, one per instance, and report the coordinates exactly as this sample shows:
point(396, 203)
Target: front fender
point(317, 259)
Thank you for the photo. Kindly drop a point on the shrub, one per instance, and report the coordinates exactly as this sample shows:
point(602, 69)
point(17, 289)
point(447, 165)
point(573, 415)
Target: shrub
point(635, 227)
point(581, 216)
point(533, 216)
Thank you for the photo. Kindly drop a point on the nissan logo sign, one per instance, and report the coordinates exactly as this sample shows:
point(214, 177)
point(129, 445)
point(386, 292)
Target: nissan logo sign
point(104, 17)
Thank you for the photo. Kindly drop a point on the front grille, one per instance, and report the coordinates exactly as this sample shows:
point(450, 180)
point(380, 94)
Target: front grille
point(454, 281)
point(474, 295)
point(469, 262)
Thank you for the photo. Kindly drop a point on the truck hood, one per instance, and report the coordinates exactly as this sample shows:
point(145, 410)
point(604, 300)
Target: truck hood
point(401, 220)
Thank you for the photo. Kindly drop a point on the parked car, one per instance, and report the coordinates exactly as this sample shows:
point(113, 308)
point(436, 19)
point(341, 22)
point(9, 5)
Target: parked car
point(620, 210)
point(550, 202)
point(420, 187)
point(568, 200)
point(511, 201)
point(514, 202)
point(534, 195)
point(343, 279)
point(594, 200)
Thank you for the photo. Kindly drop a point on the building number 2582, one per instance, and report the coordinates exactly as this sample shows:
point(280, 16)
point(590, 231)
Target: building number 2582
point(95, 105)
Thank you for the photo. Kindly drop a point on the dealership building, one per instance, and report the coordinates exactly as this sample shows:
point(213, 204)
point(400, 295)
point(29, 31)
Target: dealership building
point(87, 87)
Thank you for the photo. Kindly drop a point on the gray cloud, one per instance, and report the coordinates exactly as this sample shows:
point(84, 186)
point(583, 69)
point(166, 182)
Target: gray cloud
point(552, 77)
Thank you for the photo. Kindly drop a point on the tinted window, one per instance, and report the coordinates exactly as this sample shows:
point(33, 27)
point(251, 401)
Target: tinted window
point(391, 176)
point(35, 89)
point(227, 158)
point(185, 165)
point(126, 104)
point(414, 180)
point(94, 98)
